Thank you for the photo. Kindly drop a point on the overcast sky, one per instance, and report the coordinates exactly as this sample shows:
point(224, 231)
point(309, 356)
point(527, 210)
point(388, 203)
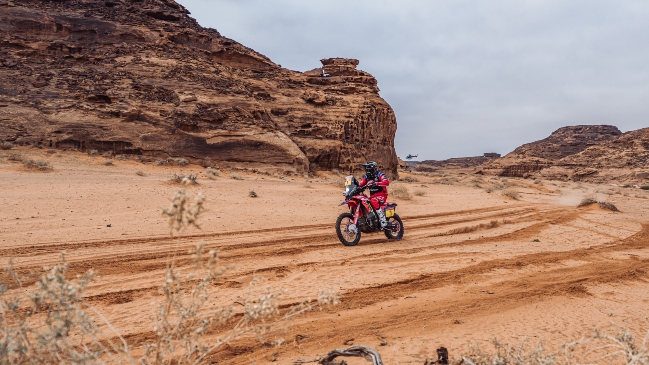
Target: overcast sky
point(465, 77)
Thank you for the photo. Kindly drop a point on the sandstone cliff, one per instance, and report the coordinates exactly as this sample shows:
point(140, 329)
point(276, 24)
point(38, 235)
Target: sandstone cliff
point(623, 159)
point(141, 77)
point(536, 156)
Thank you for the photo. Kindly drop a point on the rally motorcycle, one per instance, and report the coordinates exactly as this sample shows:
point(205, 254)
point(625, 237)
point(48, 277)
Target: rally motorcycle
point(363, 218)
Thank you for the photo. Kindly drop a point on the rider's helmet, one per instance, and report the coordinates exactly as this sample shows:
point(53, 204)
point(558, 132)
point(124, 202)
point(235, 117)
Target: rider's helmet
point(371, 169)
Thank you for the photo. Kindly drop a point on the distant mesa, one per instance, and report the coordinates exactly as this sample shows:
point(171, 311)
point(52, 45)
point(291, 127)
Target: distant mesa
point(596, 153)
point(145, 79)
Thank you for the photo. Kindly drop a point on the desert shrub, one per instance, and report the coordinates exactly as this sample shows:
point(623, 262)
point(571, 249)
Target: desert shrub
point(140, 173)
point(252, 194)
point(410, 179)
point(180, 161)
point(190, 179)
point(608, 206)
point(15, 157)
point(508, 355)
point(511, 193)
point(160, 162)
point(448, 180)
point(108, 154)
point(645, 187)
point(538, 182)
point(93, 152)
point(236, 177)
point(51, 322)
point(121, 157)
point(36, 164)
point(6, 146)
point(109, 163)
point(420, 192)
point(177, 178)
point(400, 192)
point(587, 200)
point(211, 173)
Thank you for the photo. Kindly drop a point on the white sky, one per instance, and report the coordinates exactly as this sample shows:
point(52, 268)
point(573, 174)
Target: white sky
point(465, 77)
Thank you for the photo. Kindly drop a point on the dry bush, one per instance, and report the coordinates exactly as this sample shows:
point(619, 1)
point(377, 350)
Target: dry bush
point(538, 182)
point(6, 146)
point(140, 173)
point(93, 152)
point(36, 164)
point(211, 173)
point(108, 154)
point(236, 177)
point(420, 192)
point(508, 355)
point(400, 192)
point(448, 180)
point(109, 163)
point(15, 157)
point(512, 193)
point(410, 179)
point(252, 194)
point(191, 179)
point(51, 323)
point(587, 200)
point(645, 187)
point(608, 206)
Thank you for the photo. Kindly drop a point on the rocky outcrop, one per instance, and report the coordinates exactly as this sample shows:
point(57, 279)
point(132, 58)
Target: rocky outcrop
point(141, 77)
point(623, 159)
point(453, 163)
point(533, 157)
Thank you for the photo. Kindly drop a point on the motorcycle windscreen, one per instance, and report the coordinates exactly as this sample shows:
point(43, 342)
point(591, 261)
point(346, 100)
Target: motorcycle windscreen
point(350, 185)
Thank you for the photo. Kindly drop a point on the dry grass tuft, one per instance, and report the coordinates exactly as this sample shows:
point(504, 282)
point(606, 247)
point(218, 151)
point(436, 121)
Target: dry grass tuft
point(37, 164)
point(109, 163)
point(400, 192)
point(6, 146)
point(212, 173)
point(420, 192)
point(252, 194)
point(236, 177)
point(410, 179)
point(191, 179)
point(93, 152)
point(140, 173)
point(511, 193)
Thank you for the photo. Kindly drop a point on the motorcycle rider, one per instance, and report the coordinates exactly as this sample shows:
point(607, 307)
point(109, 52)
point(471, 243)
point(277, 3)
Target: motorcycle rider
point(377, 183)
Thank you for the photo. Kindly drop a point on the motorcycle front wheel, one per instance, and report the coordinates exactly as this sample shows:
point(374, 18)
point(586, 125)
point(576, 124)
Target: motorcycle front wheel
point(345, 235)
point(395, 228)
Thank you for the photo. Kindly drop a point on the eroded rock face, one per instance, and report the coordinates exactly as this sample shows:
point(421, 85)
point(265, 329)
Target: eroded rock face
point(142, 77)
point(533, 157)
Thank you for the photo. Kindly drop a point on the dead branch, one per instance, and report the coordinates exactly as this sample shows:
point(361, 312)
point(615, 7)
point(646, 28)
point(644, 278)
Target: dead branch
point(365, 352)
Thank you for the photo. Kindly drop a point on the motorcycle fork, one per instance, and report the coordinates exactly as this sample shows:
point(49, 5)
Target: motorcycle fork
point(356, 214)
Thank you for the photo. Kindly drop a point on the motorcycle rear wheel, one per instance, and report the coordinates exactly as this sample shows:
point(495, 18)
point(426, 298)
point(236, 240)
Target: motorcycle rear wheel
point(347, 237)
point(396, 230)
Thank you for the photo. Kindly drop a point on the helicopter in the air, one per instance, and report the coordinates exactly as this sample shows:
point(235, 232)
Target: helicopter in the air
point(410, 157)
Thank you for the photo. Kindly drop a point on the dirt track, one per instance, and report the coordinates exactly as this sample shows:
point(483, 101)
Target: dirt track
point(435, 287)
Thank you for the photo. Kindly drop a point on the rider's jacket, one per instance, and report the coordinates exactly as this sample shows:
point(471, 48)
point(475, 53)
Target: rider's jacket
point(381, 183)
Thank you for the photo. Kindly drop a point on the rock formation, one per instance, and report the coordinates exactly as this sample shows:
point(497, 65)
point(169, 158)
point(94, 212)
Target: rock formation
point(536, 156)
point(623, 159)
point(454, 163)
point(141, 77)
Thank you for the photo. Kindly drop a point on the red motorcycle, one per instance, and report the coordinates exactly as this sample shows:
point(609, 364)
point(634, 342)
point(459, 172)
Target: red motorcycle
point(363, 218)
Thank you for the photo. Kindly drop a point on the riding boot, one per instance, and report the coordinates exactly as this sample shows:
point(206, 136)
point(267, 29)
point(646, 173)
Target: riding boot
point(384, 222)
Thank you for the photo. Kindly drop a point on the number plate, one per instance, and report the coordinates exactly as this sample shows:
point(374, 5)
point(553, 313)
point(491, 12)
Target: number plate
point(389, 213)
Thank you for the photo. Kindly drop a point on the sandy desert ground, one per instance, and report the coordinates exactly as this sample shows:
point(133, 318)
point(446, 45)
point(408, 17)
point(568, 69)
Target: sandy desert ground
point(548, 271)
